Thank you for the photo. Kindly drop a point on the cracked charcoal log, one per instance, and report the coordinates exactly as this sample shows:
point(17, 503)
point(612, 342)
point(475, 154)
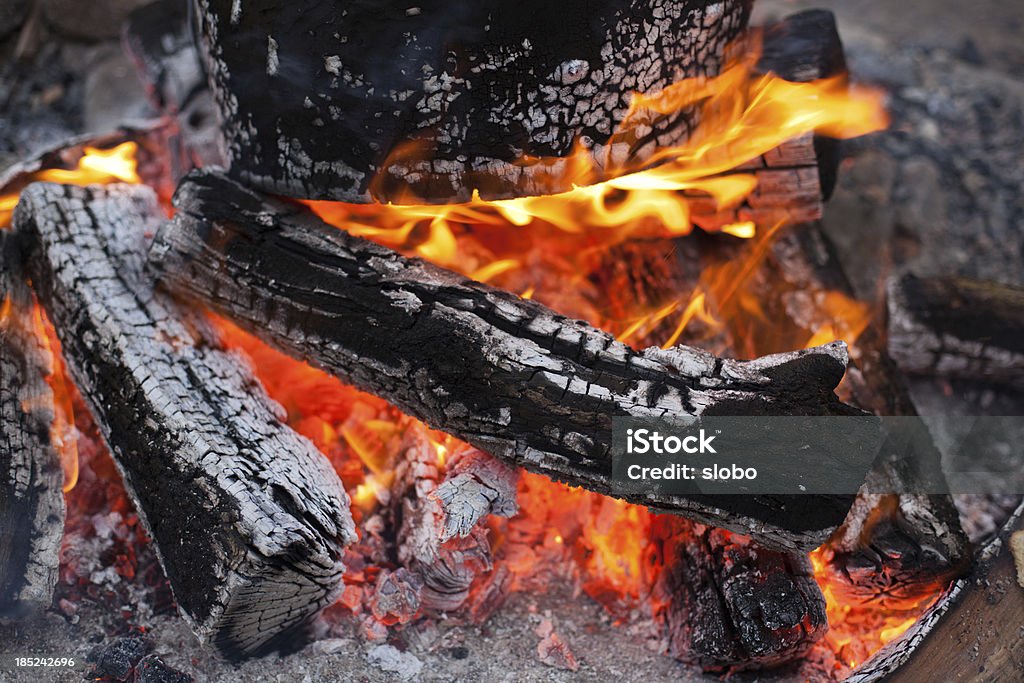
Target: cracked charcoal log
point(447, 98)
point(31, 500)
point(957, 327)
point(475, 485)
point(731, 604)
point(502, 373)
point(248, 518)
point(447, 567)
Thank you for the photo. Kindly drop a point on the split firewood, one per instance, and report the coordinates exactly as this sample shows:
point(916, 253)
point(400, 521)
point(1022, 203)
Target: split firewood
point(730, 604)
point(415, 111)
point(475, 485)
point(248, 518)
point(503, 373)
point(957, 327)
point(446, 567)
point(31, 500)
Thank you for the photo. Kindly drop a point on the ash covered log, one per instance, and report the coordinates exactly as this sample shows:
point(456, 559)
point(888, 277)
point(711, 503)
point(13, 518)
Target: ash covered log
point(957, 327)
point(248, 518)
point(31, 500)
point(447, 567)
point(731, 604)
point(475, 485)
point(503, 373)
point(445, 97)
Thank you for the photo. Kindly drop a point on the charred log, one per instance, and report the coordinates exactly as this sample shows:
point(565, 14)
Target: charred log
point(503, 373)
point(956, 327)
point(734, 605)
point(450, 97)
point(248, 518)
point(31, 500)
point(475, 485)
point(795, 178)
point(446, 567)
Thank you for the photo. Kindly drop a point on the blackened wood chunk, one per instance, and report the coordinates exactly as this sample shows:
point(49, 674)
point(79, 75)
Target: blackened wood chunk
point(31, 500)
point(447, 567)
point(440, 97)
point(735, 605)
point(248, 518)
point(957, 327)
point(503, 373)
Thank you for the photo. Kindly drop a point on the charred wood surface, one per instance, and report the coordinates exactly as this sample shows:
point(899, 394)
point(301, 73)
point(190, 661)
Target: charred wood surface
point(248, 518)
point(957, 327)
point(503, 373)
point(446, 566)
point(31, 500)
point(475, 485)
point(734, 605)
point(794, 179)
point(449, 97)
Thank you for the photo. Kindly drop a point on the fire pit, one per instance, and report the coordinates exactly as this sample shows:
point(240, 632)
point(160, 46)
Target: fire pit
point(330, 359)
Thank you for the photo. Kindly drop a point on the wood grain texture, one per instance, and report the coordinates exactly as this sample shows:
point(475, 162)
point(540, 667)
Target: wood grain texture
point(470, 88)
point(248, 518)
point(505, 374)
point(957, 327)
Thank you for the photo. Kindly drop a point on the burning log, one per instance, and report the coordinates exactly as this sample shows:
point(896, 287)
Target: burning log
point(446, 567)
point(794, 179)
point(956, 327)
point(31, 500)
point(248, 518)
point(500, 372)
point(475, 485)
point(731, 604)
point(390, 95)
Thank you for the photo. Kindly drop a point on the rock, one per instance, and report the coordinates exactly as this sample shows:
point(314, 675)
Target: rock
point(1017, 548)
point(89, 19)
point(389, 658)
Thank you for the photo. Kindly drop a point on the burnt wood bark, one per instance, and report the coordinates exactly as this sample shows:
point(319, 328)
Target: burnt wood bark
point(797, 177)
point(446, 566)
point(970, 633)
point(503, 373)
point(31, 500)
point(475, 485)
point(733, 605)
point(248, 518)
point(957, 327)
point(322, 98)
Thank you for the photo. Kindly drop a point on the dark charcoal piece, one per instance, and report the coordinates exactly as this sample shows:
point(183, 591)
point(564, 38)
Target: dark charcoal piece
point(317, 96)
point(117, 660)
point(31, 501)
point(153, 670)
point(735, 605)
point(247, 516)
point(503, 373)
point(957, 327)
